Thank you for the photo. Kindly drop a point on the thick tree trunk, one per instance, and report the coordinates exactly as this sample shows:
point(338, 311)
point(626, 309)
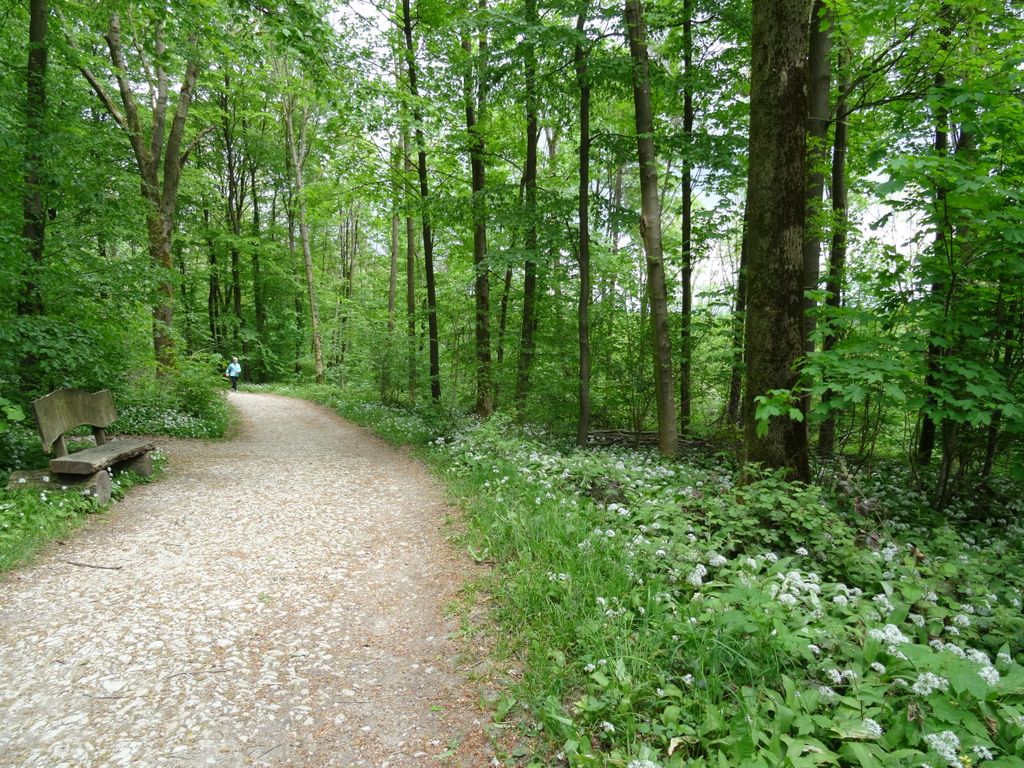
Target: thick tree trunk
point(650, 229)
point(837, 254)
point(529, 325)
point(484, 405)
point(686, 278)
point(776, 196)
point(428, 237)
point(583, 314)
point(33, 231)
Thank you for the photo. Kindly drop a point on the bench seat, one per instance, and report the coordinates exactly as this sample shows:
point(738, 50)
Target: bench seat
point(102, 456)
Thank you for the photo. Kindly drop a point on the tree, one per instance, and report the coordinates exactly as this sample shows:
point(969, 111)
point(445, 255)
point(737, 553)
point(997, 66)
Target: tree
point(428, 237)
point(580, 54)
point(33, 231)
point(159, 156)
point(776, 194)
point(298, 145)
point(475, 115)
point(650, 229)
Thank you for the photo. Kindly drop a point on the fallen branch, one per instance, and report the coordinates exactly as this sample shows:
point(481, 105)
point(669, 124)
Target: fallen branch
point(99, 567)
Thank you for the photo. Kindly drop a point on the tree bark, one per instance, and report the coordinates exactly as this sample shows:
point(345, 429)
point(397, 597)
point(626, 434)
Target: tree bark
point(33, 231)
point(776, 196)
point(428, 237)
point(650, 229)
point(580, 55)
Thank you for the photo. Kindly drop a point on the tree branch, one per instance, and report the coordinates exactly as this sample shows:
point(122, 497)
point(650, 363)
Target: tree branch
point(133, 126)
point(108, 103)
point(192, 145)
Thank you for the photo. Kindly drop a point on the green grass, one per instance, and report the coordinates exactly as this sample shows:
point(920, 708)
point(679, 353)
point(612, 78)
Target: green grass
point(32, 518)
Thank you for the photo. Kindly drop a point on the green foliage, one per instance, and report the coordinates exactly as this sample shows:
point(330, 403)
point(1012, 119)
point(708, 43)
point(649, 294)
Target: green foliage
point(185, 401)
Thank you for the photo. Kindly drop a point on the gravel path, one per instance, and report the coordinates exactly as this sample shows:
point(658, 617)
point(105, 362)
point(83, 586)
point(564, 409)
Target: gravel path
point(279, 601)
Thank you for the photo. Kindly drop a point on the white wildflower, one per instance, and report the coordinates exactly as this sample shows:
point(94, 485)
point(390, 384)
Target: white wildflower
point(872, 729)
point(889, 634)
point(878, 667)
point(696, 577)
point(983, 753)
point(946, 745)
point(928, 682)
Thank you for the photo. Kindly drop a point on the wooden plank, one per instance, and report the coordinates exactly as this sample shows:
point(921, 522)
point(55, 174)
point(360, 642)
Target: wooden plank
point(102, 456)
point(97, 485)
point(66, 409)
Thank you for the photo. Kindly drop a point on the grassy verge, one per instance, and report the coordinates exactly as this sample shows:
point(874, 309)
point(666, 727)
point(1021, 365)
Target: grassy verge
point(32, 518)
point(666, 616)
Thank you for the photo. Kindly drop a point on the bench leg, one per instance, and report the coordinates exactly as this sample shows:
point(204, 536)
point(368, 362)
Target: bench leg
point(140, 465)
point(96, 485)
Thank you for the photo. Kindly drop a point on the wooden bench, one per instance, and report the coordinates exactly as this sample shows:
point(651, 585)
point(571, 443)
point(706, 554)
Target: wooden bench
point(67, 409)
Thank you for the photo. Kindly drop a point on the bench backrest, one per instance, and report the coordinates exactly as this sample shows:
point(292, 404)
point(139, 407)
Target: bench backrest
point(66, 409)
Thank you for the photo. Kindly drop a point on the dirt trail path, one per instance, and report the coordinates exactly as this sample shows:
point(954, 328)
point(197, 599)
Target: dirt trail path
point(279, 602)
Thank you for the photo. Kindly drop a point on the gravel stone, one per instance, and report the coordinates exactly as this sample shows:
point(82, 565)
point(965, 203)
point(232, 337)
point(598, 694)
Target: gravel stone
point(280, 602)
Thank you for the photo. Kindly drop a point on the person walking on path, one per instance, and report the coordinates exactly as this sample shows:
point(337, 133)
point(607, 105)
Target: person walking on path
point(233, 372)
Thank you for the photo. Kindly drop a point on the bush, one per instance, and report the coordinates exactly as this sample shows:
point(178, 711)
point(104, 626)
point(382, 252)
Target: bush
point(186, 401)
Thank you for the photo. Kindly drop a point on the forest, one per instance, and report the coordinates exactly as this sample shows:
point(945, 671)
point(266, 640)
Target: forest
point(775, 248)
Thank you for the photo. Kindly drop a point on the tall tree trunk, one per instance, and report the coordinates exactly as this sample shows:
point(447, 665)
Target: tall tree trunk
point(650, 229)
point(33, 231)
point(484, 405)
point(213, 296)
point(529, 326)
point(234, 204)
point(580, 55)
point(410, 278)
point(257, 367)
point(819, 88)
point(926, 439)
point(297, 159)
point(776, 197)
point(428, 237)
point(159, 163)
point(738, 326)
point(837, 254)
point(686, 278)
